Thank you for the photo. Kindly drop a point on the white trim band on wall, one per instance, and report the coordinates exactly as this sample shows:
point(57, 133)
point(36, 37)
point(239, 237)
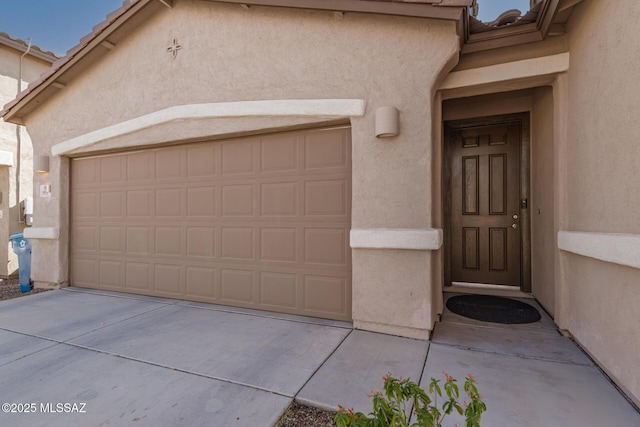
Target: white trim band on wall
point(324, 108)
point(623, 249)
point(429, 239)
point(49, 233)
point(6, 158)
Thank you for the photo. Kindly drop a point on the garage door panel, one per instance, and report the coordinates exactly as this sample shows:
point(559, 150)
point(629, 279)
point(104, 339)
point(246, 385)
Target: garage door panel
point(238, 200)
point(138, 276)
point(278, 244)
point(110, 274)
point(85, 238)
point(85, 271)
point(279, 153)
point(168, 202)
point(86, 173)
point(325, 295)
point(140, 167)
point(201, 201)
point(260, 222)
point(111, 239)
point(112, 170)
point(237, 285)
point(139, 203)
point(238, 157)
point(202, 282)
point(168, 279)
point(138, 240)
point(279, 199)
point(326, 197)
point(238, 243)
point(85, 205)
point(326, 149)
point(201, 242)
point(168, 241)
point(278, 290)
point(112, 204)
point(325, 246)
point(169, 164)
point(201, 160)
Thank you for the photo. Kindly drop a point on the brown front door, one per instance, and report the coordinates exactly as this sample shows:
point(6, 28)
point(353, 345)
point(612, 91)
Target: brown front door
point(484, 206)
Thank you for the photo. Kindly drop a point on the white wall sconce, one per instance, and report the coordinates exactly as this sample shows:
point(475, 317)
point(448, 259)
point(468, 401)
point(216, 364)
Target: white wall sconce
point(387, 123)
point(41, 164)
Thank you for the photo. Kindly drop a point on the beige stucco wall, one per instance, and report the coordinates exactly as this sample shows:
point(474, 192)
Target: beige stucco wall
point(603, 194)
point(542, 207)
point(23, 167)
point(604, 108)
point(233, 54)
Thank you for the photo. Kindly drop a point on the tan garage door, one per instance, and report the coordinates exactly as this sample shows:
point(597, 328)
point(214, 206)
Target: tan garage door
point(260, 222)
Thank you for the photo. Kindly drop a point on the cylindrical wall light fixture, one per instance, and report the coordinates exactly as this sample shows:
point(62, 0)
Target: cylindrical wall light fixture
point(41, 163)
point(387, 122)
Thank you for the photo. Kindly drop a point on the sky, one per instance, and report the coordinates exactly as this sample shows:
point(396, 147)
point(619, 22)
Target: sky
point(488, 10)
point(58, 25)
point(53, 25)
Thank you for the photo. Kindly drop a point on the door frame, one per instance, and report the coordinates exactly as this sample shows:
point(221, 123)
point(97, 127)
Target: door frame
point(525, 190)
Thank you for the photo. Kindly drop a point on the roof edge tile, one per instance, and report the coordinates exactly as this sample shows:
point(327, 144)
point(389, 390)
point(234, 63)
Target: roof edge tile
point(23, 46)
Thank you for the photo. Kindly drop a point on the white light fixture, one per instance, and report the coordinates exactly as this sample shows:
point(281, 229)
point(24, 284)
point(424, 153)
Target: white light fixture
point(41, 164)
point(387, 123)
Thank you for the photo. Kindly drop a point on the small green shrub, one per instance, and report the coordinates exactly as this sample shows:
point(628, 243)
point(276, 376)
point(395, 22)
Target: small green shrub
point(401, 395)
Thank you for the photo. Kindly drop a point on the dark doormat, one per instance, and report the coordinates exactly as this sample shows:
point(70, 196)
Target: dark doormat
point(487, 308)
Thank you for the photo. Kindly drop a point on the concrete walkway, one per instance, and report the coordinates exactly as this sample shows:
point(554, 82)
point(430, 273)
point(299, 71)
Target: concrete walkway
point(75, 357)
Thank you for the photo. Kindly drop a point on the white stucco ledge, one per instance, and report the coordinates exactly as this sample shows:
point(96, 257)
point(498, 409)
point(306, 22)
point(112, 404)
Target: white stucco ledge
point(324, 108)
point(429, 239)
point(49, 233)
point(623, 249)
point(6, 158)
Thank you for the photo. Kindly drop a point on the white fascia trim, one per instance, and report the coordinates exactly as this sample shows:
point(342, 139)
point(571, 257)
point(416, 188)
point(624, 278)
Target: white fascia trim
point(623, 249)
point(49, 233)
point(6, 158)
point(526, 68)
point(325, 108)
point(429, 239)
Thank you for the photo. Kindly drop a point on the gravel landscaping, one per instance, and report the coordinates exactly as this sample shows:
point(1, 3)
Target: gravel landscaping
point(305, 416)
point(10, 288)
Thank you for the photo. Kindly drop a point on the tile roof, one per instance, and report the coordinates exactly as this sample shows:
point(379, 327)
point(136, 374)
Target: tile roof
point(512, 18)
point(23, 46)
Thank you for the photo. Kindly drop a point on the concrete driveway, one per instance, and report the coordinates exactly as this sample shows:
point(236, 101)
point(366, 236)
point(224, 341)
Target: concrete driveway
point(75, 357)
point(82, 357)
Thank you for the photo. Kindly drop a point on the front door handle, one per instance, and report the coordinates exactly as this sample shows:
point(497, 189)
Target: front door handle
point(514, 226)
